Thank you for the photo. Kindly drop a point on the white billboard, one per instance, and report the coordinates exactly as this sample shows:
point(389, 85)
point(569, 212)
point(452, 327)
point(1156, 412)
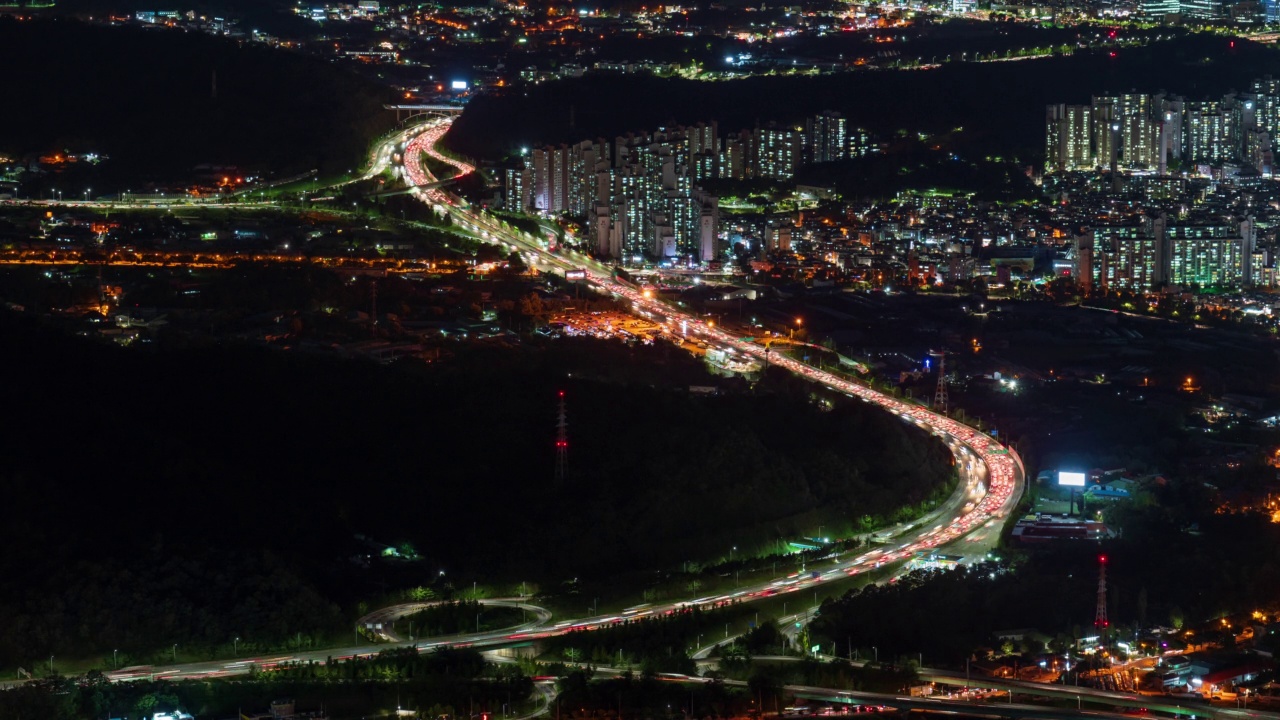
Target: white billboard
point(1070, 479)
point(458, 85)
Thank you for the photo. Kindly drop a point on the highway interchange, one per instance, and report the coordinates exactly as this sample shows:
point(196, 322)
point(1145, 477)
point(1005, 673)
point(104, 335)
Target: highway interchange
point(992, 475)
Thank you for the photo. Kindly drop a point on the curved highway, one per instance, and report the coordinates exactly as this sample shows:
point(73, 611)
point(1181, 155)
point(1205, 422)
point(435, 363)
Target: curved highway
point(993, 473)
point(998, 467)
point(378, 620)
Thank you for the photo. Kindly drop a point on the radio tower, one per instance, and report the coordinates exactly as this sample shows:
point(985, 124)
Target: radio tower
point(940, 395)
point(1100, 622)
point(562, 442)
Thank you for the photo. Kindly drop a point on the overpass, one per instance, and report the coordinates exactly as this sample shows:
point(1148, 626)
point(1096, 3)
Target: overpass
point(414, 110)
point(413, 188)
point(995, 473)
point(1188, 708)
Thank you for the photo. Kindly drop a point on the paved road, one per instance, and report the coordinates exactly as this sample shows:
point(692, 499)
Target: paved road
point(993, 474)
point(999, 468)
point(381, 622)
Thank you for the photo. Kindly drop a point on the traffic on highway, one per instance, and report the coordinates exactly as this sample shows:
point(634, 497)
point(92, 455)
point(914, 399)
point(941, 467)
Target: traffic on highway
point(992, 474)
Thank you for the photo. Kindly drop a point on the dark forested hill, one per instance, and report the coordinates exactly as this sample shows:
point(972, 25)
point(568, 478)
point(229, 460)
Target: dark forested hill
point(1000, 105)
point(154, 494)
point(146, 97)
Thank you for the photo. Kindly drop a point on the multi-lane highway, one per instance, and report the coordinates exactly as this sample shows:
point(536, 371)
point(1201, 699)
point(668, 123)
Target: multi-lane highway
point(995, 473)
point(998, 467)
point(992, 474)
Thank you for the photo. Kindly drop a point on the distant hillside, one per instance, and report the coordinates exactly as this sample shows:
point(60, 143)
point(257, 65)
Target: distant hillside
point(266, 15)
point(146, 98)
point(1000, 105)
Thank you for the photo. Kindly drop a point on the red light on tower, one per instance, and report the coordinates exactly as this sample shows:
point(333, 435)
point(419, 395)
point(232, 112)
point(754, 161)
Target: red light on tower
point(1102, 559)
point(562, 441)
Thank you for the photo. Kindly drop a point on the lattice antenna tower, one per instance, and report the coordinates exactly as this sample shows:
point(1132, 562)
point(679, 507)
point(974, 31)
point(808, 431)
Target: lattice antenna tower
point(562, 441)
point(1100, 621)
point(940, 399)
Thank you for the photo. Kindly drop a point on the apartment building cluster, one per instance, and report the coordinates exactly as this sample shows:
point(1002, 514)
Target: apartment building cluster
point(642, 195)
point(1157, 251)
point(1135, 131)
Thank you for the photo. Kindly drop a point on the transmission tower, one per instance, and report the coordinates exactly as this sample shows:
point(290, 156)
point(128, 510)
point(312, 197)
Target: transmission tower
point(1100, 622)
point(562, 442)
point(940, 395)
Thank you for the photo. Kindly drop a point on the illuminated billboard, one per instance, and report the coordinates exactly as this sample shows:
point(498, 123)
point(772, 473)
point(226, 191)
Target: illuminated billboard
point(575, 274)
point(1070, 479)
point(458, 85)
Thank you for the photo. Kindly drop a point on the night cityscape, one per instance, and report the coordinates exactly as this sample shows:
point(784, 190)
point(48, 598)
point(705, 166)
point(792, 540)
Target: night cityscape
point(612, 360)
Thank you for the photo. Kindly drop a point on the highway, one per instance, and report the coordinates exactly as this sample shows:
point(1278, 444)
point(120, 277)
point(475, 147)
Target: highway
point(379, 622)
point(992, 479)
point(999, 468)
point(980, 457)
point(992, 474)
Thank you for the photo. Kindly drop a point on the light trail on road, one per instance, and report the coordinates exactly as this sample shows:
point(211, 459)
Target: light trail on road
point(1003, 469)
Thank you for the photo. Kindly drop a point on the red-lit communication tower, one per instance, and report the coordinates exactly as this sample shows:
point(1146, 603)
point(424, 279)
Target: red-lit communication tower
point(1100, 614)
point(562, 442)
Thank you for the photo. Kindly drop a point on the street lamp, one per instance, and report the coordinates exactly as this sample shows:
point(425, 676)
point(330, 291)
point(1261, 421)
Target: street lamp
point(175, 653)
point(876, 650)
point(86, 194)
point(115, 663)
point(235, 646)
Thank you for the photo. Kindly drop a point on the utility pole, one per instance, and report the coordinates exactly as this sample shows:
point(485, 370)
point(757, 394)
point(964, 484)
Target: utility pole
point(562, 442)
point(373, 306)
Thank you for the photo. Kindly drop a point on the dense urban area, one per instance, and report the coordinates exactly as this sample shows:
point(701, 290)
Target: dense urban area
point(627, 361)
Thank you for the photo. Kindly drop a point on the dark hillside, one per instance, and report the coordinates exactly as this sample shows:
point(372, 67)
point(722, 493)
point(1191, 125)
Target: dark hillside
point(146, 98)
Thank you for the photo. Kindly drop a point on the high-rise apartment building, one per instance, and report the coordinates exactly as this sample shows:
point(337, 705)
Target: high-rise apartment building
point(826, 138)
point(1214, 255)
point(1156, 252)
point(1124, 258)
point(1134, 131)
point(1207, 133)
point(642, 197)
point(1069, 138)
point(1134, 122)
point(778, 152)
point(519, 194)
